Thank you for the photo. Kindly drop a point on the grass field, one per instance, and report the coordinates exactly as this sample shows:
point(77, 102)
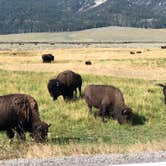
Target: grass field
point(105, 34)
point(117, 36)
point(24, 72)
point(150, 64)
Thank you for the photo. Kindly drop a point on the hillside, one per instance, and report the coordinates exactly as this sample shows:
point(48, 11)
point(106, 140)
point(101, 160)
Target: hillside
point(69, 15)
point(108, 34)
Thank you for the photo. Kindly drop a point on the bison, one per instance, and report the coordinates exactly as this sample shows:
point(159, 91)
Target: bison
point(109, 100)
point(47, 58)
point(19, 113)
point(164, 91)
point(163, 47)
point(88, 62)
point(56, 88)
point(65, 84)
point(132, 52)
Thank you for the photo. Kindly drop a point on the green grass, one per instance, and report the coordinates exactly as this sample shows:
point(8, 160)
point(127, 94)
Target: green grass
point(71, 119)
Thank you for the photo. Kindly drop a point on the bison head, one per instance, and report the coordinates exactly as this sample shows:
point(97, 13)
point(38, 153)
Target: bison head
point(125, 116)
point(52, 57)
point(55, 88)
point(40, 131)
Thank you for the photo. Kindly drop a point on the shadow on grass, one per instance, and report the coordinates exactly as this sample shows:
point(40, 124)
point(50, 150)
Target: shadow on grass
point(138, 119)
point(75, 98)
point(68, 140)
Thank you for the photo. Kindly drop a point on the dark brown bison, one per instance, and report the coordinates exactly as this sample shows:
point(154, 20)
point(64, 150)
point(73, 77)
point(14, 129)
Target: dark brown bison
point(56, 89)
point(163, 47)
point(164, 91)
point(132, 52)
point(47, 58)
point(19, 113)
point(109, 100)
point(65, 84)
point(88, 62)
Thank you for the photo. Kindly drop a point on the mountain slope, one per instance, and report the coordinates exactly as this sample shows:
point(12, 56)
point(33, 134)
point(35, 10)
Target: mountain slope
point(67, 15)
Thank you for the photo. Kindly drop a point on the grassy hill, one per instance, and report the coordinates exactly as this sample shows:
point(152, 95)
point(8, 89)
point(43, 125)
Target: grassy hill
point(109, 34)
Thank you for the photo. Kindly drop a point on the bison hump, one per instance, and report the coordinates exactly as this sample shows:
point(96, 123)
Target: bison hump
point(22, 108)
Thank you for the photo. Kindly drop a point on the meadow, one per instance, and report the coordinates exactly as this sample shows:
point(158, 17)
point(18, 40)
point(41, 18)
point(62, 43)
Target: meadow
point(73, 130)
point(104, 34)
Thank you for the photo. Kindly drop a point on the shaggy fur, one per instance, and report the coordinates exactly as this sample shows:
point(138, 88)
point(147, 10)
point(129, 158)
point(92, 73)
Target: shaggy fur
point(19, 112)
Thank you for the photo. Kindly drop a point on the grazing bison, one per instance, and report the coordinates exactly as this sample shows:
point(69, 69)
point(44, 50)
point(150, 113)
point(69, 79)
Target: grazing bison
point(164, 91)
point(65, 84)
point(88, 62)
point(132, 52)
point(163, 47)
point(71, 80)
point(19, 113)
point(47, 58)
point(138, 52)
point(109, 100)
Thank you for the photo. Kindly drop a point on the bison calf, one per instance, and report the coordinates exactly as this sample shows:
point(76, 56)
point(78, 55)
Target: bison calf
point(19, 112)
point(109, 100)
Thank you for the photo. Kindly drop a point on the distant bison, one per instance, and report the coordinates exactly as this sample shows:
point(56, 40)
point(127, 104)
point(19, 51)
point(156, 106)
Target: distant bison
point(163, 47)
point(47, 58)
point(88, 62)
point(164, 91)
point(19, 113)
point(65, 84)
point(109, 100)
point(138, 52)
point(132, 52)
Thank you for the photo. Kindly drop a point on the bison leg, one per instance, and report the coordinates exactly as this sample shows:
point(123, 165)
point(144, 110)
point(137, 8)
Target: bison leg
point(90, 109)
point(71, 94)
point(103, 111)
point(10, 133)
point(164, 92)
point(21, 134)
point(79, 88)
point(89, 104)
point(20, 131)
point(75, 92)
point(68, 94)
